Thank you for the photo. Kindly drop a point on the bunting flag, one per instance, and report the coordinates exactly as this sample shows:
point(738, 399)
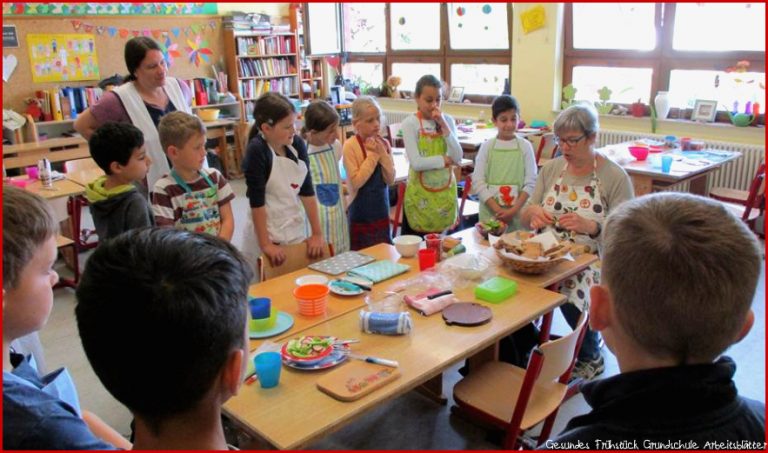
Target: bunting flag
point(157, 34)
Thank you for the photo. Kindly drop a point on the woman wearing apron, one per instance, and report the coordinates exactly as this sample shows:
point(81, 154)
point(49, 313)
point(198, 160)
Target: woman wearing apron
point(278, 184)
point(574, 193)
point(432, 149)
point(505, 168)
point(371, 170)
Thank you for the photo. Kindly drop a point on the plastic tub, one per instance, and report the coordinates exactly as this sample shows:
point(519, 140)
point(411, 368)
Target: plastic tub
point(312, 299)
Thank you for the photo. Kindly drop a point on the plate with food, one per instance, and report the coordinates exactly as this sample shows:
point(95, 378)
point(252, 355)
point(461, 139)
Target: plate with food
point(313, 352)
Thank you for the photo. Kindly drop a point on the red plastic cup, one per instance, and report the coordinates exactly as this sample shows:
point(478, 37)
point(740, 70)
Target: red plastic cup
point(427, 259)
point(434, 242)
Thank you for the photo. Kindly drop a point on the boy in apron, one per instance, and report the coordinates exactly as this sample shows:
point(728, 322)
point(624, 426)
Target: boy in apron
point(191, 197)
point(321, 123)
point(39, 412)
point(432, 149)
point(371, 170)
point(505, 167)
point(278, 184)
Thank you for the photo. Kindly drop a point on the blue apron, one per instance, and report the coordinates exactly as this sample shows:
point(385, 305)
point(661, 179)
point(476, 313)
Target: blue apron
point(369, 211)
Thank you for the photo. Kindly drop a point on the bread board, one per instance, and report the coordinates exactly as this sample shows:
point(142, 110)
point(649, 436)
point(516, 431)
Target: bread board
point(356, 379)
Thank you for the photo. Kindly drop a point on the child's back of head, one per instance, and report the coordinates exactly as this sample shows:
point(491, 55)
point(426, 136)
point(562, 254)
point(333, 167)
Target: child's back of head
point(682, 272)
point(176, 128)
point(161, 312)
point(114, 142)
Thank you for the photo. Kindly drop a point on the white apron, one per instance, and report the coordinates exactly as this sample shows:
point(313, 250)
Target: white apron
point(588, 202)
point(140, 118)
point(285, 216)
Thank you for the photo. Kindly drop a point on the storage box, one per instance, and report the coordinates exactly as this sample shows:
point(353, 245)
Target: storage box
point(496, 289)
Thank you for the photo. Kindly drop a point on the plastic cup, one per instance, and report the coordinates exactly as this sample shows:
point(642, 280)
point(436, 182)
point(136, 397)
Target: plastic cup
point(427, 259)
point(666, 164)
point(268, 366)
point(263, 316)
point(434, 242)
point(32, 173)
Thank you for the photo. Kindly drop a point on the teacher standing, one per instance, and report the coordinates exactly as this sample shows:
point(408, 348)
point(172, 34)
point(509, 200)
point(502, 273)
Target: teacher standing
point(146, 95)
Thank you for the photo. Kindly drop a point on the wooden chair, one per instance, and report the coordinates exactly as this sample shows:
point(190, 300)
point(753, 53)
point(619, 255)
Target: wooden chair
point(75, 204)
point(516, 399)
point(295, 258)
point(63, 242)
point(748, 205)
point(392, 134)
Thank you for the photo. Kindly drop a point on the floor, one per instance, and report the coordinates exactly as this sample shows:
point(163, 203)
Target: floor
point(408, 422)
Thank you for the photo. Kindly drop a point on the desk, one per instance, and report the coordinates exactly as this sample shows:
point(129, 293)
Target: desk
point(693, 166)
point(85, 172)
point(54, 149)
point(296, 413)
point(61, 188)
point(402, 166)
point(470, 141)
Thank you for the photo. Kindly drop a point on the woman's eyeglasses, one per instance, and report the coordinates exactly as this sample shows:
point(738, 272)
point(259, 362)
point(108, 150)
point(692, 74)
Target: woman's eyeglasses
point(568, 141)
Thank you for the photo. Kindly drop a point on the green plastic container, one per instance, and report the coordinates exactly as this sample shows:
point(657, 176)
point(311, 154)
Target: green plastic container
point(496, 289)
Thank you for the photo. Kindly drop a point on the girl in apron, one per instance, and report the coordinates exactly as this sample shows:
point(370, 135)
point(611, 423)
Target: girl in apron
point(278, 184)
point(371, 170)
point(505, 168)
point(432, 148)
point(321, 123)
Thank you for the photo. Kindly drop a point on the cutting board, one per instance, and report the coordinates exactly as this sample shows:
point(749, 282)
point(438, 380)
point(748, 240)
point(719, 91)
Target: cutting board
point(356, 379)
point(467, 314)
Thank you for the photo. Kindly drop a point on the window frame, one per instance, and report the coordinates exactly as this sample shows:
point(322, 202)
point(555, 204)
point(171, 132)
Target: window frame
point(444, 55)
point(662, 59)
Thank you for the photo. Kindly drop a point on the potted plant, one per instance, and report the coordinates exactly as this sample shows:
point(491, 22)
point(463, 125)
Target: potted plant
point(569, 94)
point(604, 107)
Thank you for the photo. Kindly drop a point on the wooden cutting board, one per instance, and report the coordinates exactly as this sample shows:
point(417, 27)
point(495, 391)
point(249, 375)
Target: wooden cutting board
point(356, 379)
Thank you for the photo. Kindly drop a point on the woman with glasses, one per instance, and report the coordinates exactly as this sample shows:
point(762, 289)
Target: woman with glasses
point(573, 195)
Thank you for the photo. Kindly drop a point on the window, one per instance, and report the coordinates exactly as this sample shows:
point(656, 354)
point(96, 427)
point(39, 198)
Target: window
point(710, 51)
point(323, 21)
point(464, 45)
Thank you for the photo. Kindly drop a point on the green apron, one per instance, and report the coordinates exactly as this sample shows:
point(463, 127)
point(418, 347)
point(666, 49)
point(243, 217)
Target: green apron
point(430, 196)
point(505, 176)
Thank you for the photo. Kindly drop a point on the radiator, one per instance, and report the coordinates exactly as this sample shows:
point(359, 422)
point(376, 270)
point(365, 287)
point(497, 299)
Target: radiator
point(736, 174)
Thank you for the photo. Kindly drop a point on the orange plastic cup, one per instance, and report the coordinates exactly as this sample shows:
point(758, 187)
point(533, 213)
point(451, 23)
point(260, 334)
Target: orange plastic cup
point(312, 299)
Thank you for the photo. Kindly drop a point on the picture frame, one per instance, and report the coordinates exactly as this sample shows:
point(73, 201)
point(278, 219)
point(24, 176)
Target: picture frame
point(704, 111)
point(457, 94)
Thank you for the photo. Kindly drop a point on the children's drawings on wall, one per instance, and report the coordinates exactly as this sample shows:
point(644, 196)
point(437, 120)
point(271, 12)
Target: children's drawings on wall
point(62, 57)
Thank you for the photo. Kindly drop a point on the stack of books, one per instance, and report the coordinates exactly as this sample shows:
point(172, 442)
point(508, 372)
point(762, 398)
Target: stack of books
point(252, 22)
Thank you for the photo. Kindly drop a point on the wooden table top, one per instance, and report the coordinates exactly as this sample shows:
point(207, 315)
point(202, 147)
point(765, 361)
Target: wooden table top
point(296, 413)
point(61, 188)
point(44, 145)
point(84, 173)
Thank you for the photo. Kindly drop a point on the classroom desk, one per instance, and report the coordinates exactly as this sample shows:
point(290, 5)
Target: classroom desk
point(470, 141)
point(295, 413)
point(61, 188)
point(86, 172)
point(54, 149)
point(402, 166)
point(693, 166)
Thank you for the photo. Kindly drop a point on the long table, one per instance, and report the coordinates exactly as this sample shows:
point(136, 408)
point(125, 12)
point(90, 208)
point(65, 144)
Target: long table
point(692, 166)
point(296, 413)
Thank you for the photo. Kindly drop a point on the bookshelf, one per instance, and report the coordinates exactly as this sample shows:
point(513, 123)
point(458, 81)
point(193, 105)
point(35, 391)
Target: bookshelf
point(312, 73)
point(261, 62)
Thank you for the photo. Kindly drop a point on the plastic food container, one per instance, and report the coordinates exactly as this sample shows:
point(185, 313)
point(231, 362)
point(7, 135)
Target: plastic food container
point(496, 289)
point(312, 299)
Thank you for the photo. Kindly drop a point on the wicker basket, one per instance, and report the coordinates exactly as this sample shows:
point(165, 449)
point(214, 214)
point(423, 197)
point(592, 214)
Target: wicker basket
point(528, 267)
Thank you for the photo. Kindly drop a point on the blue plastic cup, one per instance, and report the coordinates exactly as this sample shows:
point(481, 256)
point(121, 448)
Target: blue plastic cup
point(268, 366)
point(666, 164)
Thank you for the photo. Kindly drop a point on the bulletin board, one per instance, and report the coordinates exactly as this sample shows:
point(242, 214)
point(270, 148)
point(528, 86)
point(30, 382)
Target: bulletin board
point(169, 31)
point(63, 57)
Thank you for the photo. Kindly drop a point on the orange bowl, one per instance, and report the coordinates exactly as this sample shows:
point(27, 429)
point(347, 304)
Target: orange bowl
point(312, 299)
point(638, 152)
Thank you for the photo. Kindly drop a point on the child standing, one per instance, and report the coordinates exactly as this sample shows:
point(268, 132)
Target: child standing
point(320, 123)
point(370, 170)
point(505, 167)
point(191, 197)
point(279, 184)
point(39, 412)
point(432, 149)
point(116, 204)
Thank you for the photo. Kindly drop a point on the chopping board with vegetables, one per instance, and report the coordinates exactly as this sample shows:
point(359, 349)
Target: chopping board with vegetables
point(356, 379)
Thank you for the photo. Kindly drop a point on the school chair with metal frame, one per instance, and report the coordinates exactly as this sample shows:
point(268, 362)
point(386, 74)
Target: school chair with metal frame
point(467, 206)
point(515, 399)
point(295, 258)
point(753, 205)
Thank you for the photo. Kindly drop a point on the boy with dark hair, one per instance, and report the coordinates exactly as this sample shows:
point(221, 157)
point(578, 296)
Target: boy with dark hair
point(39, 412)
point(191, 197)
point(116, 203)
point(178, 301)
point(679, 276)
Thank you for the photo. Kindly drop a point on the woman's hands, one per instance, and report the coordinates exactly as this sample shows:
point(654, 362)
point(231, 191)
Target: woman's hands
point(578, 224)
point(540, 218)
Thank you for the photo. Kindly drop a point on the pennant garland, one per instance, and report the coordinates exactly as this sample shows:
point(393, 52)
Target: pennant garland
point(194, 29)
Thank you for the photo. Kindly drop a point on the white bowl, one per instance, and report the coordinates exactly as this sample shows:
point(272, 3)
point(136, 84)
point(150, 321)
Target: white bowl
point(407, 245)
point(312, 279)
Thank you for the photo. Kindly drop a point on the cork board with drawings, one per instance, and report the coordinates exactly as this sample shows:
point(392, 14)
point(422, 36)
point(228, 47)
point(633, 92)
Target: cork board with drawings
point(109, 48)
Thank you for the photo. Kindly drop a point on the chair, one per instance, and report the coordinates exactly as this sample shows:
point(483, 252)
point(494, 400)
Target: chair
point(546, 142)
point(396, 212)
point(392, 134)
point(748, 205)
point(75, 204)
point(295, 258)
point(516, 399)
point(63, 242)
point(468, 207)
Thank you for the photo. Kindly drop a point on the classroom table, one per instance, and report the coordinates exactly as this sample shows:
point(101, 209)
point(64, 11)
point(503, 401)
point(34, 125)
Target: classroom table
point(61, 188)
point(54, 149)
point(693, 166)
point(85, 172)
point(470, 141)
point(402, 166)
point(295, 413)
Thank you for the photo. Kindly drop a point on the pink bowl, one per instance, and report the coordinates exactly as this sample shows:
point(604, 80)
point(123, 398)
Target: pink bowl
point(638, 152)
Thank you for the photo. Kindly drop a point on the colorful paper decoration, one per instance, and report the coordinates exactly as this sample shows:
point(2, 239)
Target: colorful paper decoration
point(108, 9)
point(486, 9)
point(62, 57)
point(170, 50)
point(533, 19)
point(460, 11)
point(198, 52)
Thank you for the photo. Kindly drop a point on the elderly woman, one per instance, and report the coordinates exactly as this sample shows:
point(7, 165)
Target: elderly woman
point(572, 198)
point(146, 96)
